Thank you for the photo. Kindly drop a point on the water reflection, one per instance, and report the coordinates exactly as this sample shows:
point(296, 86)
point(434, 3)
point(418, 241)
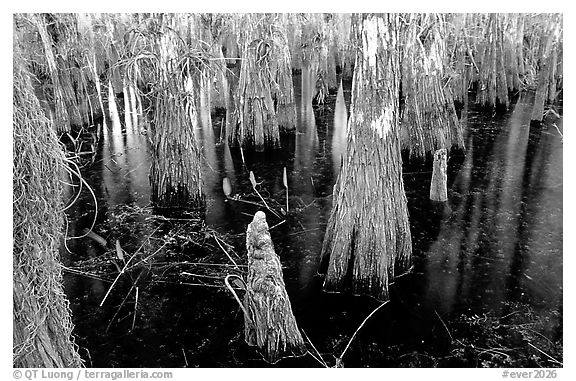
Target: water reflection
point(211, 168)
point(307, 125)
point(501, 240)
point(306, 240)
point(484, 255)
point(541, 233)
point(340, 130)
point(124, 161)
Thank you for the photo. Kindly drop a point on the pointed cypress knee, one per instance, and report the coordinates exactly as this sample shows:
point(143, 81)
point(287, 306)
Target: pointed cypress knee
point(438, 186)
point(271, 325)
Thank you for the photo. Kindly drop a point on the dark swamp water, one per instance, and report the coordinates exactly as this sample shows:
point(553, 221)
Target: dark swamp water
point(485, 290)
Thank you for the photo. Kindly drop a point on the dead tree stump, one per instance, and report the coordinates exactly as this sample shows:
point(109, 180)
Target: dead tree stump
point(438, 186)
point(270, 324)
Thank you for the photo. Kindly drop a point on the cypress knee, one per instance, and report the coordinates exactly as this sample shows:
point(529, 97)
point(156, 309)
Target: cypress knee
point(438, 186)
point(271, 325)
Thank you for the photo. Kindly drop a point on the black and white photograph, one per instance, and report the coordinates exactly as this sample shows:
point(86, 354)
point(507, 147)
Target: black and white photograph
point(286, 190)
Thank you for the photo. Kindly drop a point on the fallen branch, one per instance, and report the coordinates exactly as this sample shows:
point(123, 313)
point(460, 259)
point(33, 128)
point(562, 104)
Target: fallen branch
point(546, 354)
point(124, 270)
point(447, 330)
point(246, 315)
point(339, 359)
point(225, 252)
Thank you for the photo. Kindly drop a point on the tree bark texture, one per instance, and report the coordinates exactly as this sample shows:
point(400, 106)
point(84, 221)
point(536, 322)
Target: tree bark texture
point(271, 325)
point(315, 50)
point(492, 84)
point(549, 42)
point(62, 119)
point(514, 50)
point(282, 86)
point(208, 36)
point(232, 113)
point(368, 236)
point(429, 115)
point(175, 174)
point(42, 327)
point(257, 122)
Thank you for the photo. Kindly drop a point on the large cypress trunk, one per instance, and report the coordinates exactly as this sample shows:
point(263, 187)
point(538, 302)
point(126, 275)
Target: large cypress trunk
point(368, 236)
point(175, 174)
point(42, 335)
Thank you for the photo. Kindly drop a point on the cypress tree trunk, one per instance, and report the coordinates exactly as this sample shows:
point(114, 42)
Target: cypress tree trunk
point(345, 54)
point(329, 53)
point(258, 125)
point(514, 57)
point(232, 130)
point(368, 235)
point(219, 94)
point(62, 119)
point(315, 40)
point(460, 61)
point(429, 115)
point(66, 53)
point(42, 335)
point(283, 88)
point(293, 35)
point(264, 98)
point(546, 68)
point(208, 37)
point(233, 63)
point(492, 86)
point(175, 174)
